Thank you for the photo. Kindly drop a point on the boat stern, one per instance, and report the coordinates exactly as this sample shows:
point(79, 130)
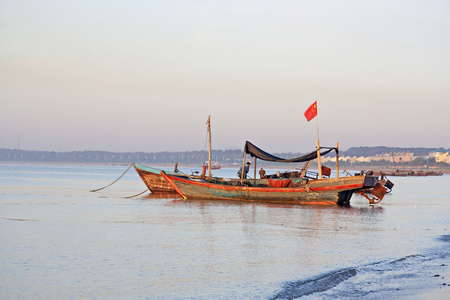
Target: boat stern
point(374, 187)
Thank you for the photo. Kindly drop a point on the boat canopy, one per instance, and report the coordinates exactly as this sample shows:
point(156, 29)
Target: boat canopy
point(261, 154)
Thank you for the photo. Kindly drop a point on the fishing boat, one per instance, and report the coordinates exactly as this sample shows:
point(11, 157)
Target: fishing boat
point(295, 190)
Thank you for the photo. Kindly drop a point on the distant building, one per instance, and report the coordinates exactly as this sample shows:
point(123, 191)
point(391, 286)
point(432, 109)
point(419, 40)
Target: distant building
point(348, 159)
point(363, 159)
point(396, 157)
point(403, 157)
point(445, 158)
point(436, 153)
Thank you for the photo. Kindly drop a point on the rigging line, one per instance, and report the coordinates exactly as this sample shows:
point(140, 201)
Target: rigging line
point(136, 195)
point(114, 180)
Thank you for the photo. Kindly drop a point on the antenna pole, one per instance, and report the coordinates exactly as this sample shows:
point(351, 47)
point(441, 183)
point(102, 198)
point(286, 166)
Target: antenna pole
point(209, 145)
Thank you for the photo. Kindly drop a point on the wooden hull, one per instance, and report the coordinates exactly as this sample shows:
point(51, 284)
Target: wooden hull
point(153, 180)
point(321, 191)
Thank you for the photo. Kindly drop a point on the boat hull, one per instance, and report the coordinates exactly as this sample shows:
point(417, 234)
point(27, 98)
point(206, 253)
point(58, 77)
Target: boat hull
point(321, 191)
point(153, 180)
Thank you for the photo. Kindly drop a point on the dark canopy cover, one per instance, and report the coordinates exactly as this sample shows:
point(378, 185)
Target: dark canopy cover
point(261, 154)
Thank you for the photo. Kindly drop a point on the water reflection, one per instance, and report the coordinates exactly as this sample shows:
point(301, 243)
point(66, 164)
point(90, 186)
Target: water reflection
point(154, 196)
point(313, 218)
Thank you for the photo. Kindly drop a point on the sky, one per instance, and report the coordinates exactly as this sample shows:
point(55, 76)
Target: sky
point(131, 76)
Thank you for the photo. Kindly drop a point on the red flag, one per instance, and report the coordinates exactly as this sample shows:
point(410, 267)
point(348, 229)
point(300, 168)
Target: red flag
point(311, 112)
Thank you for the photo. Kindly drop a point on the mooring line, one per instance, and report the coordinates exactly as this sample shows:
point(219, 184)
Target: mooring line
point(114, 180)
point(136, 195)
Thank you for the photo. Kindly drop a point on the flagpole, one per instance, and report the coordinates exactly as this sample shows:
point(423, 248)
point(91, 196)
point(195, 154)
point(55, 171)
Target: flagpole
point(317, 124)
point(319, 163)
point(311, 113)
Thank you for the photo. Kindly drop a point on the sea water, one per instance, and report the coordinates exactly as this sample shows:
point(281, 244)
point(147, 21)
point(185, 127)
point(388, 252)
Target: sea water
point(59, 240)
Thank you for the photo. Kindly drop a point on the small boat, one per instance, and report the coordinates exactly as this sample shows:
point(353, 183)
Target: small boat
point(214, 166)
point(295, 190)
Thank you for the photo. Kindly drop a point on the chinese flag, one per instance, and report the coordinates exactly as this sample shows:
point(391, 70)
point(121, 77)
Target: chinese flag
point(311, 112)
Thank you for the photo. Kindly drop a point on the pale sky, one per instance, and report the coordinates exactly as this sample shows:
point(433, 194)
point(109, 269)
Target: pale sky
point(133, 76)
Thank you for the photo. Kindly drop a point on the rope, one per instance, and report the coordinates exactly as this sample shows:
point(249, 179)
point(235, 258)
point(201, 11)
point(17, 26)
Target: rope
point(136, 195)
point(114, 180)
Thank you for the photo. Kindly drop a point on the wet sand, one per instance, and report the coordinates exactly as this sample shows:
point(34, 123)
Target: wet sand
point(434, 286)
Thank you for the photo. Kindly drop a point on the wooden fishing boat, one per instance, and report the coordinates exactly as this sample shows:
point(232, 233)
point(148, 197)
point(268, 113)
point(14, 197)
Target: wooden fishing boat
point(280, 190)
point(319, 191)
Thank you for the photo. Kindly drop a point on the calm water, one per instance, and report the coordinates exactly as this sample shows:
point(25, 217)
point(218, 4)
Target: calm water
point(59, 240)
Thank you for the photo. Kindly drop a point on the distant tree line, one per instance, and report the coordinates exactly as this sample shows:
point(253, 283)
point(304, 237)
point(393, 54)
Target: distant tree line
point(189, 157)
point(186, 157)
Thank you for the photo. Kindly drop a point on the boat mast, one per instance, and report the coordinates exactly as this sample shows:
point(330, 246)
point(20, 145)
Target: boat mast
point(209, 146)
point(319, 163)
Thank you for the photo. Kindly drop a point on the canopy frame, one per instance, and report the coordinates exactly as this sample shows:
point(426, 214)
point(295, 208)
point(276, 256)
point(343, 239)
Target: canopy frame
point(257, 152)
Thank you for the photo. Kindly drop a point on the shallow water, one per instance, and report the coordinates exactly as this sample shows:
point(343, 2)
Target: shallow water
point(59, 240)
